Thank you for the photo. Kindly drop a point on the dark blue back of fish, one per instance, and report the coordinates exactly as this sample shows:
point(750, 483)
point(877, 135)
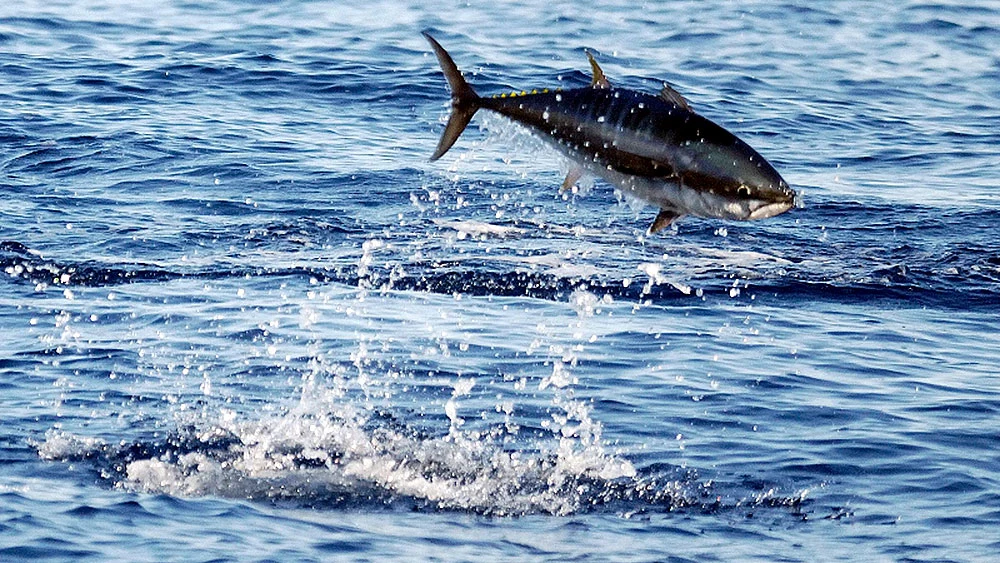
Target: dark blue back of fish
point(591, 123)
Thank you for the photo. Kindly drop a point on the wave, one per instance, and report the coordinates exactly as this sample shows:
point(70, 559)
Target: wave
point(961, 276)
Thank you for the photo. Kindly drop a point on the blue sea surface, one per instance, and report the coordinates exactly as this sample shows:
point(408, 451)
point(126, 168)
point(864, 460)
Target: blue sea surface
point(244, 318)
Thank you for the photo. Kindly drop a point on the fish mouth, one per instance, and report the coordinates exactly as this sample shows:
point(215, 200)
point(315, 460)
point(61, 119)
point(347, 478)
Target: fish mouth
point(775, 201)
point(770, 209)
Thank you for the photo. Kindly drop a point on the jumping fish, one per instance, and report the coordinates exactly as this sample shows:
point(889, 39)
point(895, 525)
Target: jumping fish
point(654, 148)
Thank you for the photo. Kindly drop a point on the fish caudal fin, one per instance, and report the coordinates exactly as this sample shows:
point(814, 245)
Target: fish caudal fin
point(464, 100)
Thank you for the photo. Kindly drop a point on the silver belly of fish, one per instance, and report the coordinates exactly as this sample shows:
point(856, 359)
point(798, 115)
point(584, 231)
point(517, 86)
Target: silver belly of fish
point(671, 194)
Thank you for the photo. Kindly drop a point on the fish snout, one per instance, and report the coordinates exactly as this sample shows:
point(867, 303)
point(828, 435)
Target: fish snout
point(773, 198)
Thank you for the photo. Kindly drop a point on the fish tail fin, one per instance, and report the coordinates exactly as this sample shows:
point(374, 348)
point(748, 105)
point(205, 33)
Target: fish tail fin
point(464, 100)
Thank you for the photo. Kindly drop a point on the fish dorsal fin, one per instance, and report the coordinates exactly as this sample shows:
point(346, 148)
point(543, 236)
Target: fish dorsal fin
point(663, 220)
point(668, 94)
point(600, 81)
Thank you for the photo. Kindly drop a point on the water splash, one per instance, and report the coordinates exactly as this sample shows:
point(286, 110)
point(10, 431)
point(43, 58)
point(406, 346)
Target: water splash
point(345, 457)
point(348, 441)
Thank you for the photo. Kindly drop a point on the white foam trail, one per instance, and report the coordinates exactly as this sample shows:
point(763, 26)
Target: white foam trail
point(657, 278)
point(308, 455)
point(477, 228)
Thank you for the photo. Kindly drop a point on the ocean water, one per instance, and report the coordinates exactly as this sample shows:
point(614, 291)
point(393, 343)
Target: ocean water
point(245, 319)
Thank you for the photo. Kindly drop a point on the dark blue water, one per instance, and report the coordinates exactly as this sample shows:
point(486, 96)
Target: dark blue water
point(244, 318)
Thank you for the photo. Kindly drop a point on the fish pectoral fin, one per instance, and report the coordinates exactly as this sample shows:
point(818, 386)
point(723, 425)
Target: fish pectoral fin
point(572, 177)
point(663, 220)
point(669, 95)
point(600, 81)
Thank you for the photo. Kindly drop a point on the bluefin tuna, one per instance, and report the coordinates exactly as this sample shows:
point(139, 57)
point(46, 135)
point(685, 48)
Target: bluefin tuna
point(652, 147)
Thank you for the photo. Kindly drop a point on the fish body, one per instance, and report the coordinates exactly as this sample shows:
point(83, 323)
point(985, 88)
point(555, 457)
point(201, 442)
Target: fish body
point(654, 148)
